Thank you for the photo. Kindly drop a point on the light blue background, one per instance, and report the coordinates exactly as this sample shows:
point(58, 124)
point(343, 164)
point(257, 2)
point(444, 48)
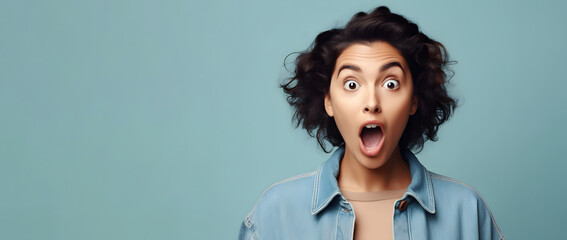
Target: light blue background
point(163, 120)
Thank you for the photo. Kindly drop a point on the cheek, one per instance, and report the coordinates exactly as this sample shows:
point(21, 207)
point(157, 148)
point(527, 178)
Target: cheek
point(397, 111)
point(342, 111)
point(344, 104)
point(345, 110)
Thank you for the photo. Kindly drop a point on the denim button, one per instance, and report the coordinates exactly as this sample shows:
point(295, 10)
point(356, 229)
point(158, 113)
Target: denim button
point(402, 205)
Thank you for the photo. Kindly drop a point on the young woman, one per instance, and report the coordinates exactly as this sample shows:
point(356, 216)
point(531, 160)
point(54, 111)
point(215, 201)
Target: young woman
point(374, 89)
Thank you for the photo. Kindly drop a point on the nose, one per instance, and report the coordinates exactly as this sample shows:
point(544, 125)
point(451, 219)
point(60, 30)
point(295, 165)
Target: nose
point(373, 109)
point(372, 105)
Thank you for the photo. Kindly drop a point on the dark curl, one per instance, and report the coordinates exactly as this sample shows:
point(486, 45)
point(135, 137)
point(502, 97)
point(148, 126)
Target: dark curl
point(426, 58)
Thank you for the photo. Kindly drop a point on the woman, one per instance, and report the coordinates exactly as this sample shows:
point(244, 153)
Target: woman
point(374, 89)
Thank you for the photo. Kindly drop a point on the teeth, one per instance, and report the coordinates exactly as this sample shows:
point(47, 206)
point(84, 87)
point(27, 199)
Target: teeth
point(371, 126)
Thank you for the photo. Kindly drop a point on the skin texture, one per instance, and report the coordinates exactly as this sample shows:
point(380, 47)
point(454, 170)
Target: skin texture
point(368, 85)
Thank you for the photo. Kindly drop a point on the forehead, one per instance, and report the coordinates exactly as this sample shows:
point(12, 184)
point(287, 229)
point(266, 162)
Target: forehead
point(373, 53)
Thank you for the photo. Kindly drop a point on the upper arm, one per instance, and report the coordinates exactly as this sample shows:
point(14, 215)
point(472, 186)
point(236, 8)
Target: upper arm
point(246, 231)
point(488, 228)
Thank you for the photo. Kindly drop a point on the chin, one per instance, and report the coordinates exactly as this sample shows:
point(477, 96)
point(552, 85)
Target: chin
point(372, 162)
point(370, 159)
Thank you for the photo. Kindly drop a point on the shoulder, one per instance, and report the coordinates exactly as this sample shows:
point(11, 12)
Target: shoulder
point(455, 192)
point(288, 190)
point(455, 197)
point(444, 185)
point(291, 193)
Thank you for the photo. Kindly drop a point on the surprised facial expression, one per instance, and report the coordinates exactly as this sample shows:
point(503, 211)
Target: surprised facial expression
point(371, 99)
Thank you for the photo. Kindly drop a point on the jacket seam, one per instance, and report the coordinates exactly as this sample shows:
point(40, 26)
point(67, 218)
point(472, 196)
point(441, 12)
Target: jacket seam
point(441, 177)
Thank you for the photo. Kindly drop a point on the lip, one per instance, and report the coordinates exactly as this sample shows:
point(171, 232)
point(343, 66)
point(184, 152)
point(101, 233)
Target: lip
point(371, 152)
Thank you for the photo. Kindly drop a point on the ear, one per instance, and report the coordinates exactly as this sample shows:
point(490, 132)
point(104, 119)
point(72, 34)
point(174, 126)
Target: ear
point(329, 105)
point(413, 107)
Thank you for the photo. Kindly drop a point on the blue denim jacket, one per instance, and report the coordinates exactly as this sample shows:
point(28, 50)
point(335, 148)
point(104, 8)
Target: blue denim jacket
point(311, 206)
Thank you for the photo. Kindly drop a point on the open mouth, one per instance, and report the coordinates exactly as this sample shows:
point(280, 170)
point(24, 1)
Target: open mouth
point(371, 135)
point(371, 138)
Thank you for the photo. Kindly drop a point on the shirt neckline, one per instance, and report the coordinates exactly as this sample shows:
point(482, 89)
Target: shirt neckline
point(373, 196)
point(326, 188)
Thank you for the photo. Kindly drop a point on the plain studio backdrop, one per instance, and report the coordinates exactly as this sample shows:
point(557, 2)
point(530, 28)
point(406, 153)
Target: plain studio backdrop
point(164, 120)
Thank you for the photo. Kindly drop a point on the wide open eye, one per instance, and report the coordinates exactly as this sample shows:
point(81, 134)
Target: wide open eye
point(351, 85)
point(392, 84)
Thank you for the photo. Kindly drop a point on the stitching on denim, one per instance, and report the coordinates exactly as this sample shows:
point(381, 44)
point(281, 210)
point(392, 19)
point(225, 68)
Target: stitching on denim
point(409, 224)
point(337, 225)
point(249, 216)
point(314, 207)
point(353, 222)
point(428, 184)
point(314, 197)
point(419, 201)
point(254, 235)
point(326, 202)
point(430, 189)
point(248, 221)
point(249, 225)
point(441, 177)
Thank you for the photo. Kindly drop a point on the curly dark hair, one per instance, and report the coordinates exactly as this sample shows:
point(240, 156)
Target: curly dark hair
point(427, 59)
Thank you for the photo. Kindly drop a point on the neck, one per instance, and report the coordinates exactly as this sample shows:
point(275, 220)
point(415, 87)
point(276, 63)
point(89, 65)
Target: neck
point(394, 174)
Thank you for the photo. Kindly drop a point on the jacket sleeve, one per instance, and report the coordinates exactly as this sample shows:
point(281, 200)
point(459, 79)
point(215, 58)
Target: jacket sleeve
point(488, 229)
point(246, 232)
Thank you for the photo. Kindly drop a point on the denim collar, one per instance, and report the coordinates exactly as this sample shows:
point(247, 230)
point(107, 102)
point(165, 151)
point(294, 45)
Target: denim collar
point(326, 186)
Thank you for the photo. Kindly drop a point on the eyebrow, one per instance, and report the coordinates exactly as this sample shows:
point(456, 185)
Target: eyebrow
point(392, 64)
point(382, 69)
point(351, 67)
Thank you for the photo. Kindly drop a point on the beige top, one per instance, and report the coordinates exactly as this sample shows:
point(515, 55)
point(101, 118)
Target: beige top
point(374, 213)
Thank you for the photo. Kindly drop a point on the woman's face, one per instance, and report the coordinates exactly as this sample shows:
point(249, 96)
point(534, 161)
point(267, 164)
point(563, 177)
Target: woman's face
point(371, 99)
